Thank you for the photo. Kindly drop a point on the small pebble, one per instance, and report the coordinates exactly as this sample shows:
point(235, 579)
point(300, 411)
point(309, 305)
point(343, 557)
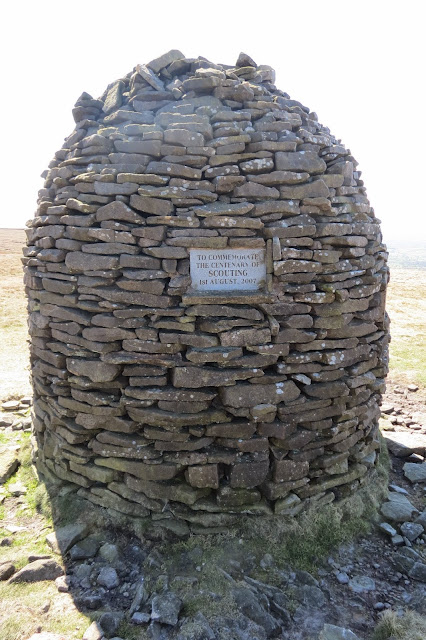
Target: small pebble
point(342, 577)
point(412, 387)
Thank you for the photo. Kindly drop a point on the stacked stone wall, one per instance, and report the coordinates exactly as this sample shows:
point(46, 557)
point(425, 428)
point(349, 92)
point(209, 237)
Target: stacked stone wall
point(158, 398)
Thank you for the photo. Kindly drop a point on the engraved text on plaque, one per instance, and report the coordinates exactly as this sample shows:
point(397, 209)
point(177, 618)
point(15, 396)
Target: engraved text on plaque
point(227, 269)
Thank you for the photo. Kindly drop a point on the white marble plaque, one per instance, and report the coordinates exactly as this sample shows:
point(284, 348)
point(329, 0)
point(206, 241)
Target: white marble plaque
point(227, 269)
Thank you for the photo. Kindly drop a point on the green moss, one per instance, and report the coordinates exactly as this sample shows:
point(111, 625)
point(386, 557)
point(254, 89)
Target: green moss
point(4, 438)
point(223, 606)
point(69, 508)
point(131, 632)
point(39, 501)
point(304, 542)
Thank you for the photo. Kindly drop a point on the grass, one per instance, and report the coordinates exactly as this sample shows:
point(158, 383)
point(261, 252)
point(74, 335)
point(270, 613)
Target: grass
point(407, 626)
point(22, 612)
point(36, 497)
point(14, 362)
point(406, 305)
point(304, 542)
point(4, 438)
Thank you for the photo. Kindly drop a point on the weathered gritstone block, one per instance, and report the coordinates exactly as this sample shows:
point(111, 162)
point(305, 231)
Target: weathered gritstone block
point(206, 287)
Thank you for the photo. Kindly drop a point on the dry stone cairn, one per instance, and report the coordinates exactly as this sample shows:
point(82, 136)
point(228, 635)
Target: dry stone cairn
point(206, 287)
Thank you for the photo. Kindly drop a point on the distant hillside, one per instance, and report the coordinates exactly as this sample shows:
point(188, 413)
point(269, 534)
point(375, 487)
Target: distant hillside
point(407, 256)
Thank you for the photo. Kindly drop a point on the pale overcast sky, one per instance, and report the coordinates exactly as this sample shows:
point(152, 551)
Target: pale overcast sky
point(359, 65)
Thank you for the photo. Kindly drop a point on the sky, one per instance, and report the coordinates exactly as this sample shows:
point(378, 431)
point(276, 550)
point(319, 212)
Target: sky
point(359, 65)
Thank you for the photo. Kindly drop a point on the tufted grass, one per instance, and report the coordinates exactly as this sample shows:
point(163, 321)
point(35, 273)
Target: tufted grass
point(407, 626)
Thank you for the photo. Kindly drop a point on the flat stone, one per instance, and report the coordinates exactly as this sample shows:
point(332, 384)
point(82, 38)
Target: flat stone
point(7, 569)
point(223, 209)
point(313, 488)
point(331, 632)
point(84, 549)
point(108, 578)
point(46, 635)
point(150, 77)
point(229, 497)
point(117, 210)
point(422, 519)
point(196, 377)
point(10, 405)
point(170, 421)
point(411, 530)
point(247, 475)
point(64, 538)
point(174, 170)
point(153, 206)
point(415, 472)
point(361, 584)
point(316, 189)
point(403, 443)
point(203, 476)
point(17, 489)
point(244, 337)
point(248, 603)
point(166, 608)
point(247, 395)
point(113, 189)
point(412, 387)
point(163, 61)
point(398, 508)
point(387, 528)
point(396, 489)
point(8, 463)
point(109, 552)
point(201, 84)
point(418, 571)
point(94, 632)
point(139, 469)
point(172, 490)
point(79, 262)
point(114, 97)
point(110, 622)
point(387, 408)
point(287, 470)
point(300, 161)
point(254, 190)
point(405, 559)
point(37, 571)
point(140, 618)
point(183, 137)
point(63, 584)
point(94, 369)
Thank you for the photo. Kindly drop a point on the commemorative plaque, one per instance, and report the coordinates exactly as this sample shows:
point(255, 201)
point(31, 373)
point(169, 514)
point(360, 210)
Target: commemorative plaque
point(227, 269)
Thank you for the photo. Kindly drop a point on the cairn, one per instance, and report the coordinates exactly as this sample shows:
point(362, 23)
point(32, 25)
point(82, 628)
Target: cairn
point(206, 290)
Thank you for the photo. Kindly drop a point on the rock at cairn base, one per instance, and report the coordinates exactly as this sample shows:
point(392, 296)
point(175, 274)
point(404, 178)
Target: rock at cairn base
point(206, 284)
